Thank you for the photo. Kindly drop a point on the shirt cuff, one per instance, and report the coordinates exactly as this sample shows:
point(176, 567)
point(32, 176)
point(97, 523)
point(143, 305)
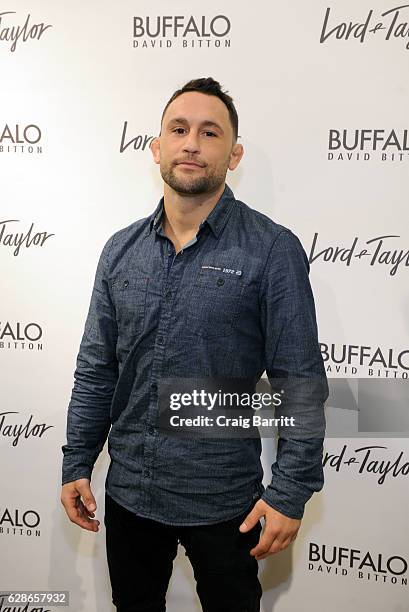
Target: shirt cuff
point(72, 470)
point(287, 498)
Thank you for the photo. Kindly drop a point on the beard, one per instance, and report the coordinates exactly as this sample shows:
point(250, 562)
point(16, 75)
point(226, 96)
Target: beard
point(190, 185)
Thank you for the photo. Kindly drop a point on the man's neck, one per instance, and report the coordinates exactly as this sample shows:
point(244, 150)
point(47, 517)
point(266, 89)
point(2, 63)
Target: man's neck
point(184, 213)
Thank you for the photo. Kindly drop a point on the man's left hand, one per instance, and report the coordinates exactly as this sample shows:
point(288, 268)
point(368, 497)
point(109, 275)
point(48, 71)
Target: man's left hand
point(279, 530)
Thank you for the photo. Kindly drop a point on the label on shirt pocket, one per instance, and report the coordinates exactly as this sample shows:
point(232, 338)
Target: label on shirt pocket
point(222, 269)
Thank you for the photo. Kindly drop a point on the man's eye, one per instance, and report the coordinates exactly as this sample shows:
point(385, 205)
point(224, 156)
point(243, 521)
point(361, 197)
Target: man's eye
point(179, 130)
point(210, 134)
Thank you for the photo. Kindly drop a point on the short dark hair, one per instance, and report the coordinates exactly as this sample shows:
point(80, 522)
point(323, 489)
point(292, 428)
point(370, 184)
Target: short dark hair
point(209, 87)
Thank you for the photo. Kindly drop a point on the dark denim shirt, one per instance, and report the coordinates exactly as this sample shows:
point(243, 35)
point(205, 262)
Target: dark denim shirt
point(153, 314)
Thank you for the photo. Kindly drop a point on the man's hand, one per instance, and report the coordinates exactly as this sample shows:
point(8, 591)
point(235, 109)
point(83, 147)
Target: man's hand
point(279, 530)
point(79, 510)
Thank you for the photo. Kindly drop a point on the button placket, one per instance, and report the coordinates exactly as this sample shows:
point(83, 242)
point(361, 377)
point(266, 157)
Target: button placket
point(170, 287)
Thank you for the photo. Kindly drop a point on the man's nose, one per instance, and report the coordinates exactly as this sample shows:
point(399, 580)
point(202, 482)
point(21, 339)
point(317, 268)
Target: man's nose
point(191, 142)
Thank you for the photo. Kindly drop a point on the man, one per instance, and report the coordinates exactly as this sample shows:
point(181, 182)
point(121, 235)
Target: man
point(205, 287)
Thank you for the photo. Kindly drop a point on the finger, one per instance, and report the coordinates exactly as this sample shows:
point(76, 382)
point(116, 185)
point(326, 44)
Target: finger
point(265, 542)
point(84, 509)
point(84, 490)
point(85, 522)
point(286, 543)
point(261, 557)
point(251, 520)
point(77, 514)
point(276, 547)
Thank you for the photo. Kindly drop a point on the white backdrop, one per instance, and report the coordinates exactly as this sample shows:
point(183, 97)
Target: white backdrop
point(73, 97)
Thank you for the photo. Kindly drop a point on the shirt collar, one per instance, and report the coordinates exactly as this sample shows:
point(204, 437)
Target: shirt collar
point(216, 219)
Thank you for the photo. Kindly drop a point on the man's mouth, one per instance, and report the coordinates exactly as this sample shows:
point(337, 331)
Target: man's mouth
point(189, 164)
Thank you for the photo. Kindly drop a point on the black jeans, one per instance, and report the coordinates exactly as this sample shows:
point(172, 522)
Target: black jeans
point(141, 551)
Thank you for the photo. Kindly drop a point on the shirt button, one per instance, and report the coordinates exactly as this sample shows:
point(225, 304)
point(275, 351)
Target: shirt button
point(146, 472)
point(126, 283)
point(154, 386)
point(151, 430)
point(168, 295)
point(220, 281)
point(160, 340)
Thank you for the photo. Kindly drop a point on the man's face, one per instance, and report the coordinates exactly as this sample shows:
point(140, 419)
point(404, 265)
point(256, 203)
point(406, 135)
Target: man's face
point(196, 148)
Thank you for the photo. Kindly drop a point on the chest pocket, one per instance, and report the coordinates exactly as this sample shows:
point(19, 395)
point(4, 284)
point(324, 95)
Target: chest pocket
point(214, 304)
point(129, 290)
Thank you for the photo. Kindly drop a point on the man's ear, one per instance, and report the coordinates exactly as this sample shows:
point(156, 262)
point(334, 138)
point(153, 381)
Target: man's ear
point(235, 156)
point(155, 148)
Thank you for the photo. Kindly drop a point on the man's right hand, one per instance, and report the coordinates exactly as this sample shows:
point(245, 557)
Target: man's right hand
point(79, 503)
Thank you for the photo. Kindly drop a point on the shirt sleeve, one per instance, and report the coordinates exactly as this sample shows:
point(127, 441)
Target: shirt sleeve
point(96, 375)
point(294, 364)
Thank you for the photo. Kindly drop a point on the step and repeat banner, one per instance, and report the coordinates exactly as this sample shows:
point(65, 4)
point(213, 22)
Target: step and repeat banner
point(322, 95)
